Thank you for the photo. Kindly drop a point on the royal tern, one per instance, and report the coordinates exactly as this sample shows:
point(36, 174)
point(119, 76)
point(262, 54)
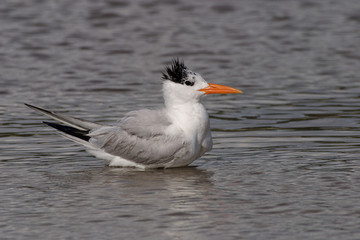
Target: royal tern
point(173, 136)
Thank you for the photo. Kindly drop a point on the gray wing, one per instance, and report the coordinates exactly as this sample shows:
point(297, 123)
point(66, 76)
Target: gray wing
point(145, 122)
point(140, 137)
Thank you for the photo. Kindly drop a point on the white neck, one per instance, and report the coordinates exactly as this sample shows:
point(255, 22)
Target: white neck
point(191, 117)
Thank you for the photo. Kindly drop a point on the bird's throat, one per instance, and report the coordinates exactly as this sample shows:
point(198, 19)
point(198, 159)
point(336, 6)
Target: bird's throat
point(192, 118)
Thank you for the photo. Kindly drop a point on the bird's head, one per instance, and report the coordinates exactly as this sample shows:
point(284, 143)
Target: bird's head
point(182, 85)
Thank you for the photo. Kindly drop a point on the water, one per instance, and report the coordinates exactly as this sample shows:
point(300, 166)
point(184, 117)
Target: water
point(285, 163)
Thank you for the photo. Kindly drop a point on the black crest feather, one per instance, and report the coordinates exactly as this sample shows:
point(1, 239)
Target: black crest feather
point(176, 72)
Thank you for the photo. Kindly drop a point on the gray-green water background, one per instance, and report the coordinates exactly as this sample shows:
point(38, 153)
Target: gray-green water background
point(285, 163)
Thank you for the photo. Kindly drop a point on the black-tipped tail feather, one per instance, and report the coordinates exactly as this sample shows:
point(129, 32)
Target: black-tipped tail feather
point(81, 134)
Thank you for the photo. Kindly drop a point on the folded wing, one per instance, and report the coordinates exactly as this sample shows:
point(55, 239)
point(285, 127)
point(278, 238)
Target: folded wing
point(140, 137)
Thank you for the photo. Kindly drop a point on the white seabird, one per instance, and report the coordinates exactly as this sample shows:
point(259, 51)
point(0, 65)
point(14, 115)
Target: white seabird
point(173, 136)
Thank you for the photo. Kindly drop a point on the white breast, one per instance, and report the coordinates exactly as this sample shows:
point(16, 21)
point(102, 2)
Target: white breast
point(192, 121)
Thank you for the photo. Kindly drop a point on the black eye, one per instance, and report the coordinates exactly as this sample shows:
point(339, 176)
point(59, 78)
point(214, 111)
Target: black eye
point(188, 83)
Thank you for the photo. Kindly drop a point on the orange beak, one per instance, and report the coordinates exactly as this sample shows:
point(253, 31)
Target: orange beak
point(216, 88)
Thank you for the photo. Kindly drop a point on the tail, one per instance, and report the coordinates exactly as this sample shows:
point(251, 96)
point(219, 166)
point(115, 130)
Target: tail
point(74, 134)
point(77, 130)
point(81, 134)
point(77, 123)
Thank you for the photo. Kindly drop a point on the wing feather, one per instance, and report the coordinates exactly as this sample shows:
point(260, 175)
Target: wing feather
point(140, 137)
point(145, 123)
point(71, 121)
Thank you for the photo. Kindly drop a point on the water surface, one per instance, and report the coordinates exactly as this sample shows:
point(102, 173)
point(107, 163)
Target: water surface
point(285, 163)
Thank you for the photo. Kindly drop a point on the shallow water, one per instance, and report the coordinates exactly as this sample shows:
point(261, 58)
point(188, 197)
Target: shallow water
point(285, 163)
